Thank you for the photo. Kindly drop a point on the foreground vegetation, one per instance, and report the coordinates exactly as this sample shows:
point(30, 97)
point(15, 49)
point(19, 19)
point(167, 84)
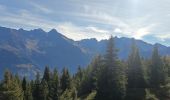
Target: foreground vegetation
point(106, 78)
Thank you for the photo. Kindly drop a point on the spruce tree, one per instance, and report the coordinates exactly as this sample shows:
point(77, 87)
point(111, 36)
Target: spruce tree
point(158, 83)
point(28, 93)
point(24, 84)
point(65, 80)
point(157, 75)
point(47, 74)
point(37, 88)
point(136, 81)
point(54, 90)
point(10, 89)
point(44, 90)
point(111, 82)
point(78, 77)
point(24, 87)
point(89, 82)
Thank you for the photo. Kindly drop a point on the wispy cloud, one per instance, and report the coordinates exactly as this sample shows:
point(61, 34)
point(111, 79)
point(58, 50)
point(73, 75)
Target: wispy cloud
point(25, 18)
point(79, 19)
point(163, 37)
point(79, 32)
point(41, 8)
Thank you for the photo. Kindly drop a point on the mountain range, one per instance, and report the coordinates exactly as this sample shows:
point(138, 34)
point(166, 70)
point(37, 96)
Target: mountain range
point(26, 52)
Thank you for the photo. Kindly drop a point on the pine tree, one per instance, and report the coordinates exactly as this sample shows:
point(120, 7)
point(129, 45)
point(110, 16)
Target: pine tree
point(54, 91)
point(10, 90)
point(44, 90)
point(136, 81)
point(111, 82)
point(78, 77)
point(65, 80)
point(36, 88)
point(17, 78)
point(89, 82)
point(28, 93)
point(26, 87)
point(47, 74)
point(157, 75)
point(24, 84)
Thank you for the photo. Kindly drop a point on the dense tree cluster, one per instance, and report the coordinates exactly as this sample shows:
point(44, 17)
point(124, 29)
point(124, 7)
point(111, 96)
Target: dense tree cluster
point(105, 78)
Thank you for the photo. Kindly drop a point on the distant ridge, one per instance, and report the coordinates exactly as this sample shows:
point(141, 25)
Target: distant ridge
point(26, 52)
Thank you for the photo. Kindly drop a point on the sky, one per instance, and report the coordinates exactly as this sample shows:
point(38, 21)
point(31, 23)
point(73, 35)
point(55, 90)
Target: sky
point(147, 20)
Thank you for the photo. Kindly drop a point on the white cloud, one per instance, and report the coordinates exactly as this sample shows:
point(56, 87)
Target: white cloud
point(25, 19)
point(135, 27)
point(117, 30)
point(76, 32)
point(140, 32)
point(80, 32)
point(96, 30)
point(86, 19)
point(163, 37)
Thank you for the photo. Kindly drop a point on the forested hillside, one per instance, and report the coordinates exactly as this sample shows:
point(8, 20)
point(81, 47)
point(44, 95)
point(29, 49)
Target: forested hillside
point(105, 78)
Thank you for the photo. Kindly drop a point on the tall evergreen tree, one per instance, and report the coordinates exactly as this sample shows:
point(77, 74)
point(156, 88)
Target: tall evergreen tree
point(78, 77)
point(157, 75)
point(28, 93)
point(65, 80)
point(111, 82)
point(36, 88)
point(136, 81)
point(44, 90)
point(54, 91)
point(10, 90)
point(24, 84)
point(47, 74)
point(89, 82)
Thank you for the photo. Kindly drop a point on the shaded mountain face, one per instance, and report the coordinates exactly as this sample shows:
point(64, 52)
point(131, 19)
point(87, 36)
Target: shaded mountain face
point(93, 47)
point(27, 52)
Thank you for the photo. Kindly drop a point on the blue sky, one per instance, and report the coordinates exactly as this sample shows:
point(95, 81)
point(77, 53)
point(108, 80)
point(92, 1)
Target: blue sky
point(148, 20)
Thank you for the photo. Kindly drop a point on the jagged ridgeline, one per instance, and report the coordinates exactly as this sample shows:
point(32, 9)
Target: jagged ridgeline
point(26, 52)
point(107, 77)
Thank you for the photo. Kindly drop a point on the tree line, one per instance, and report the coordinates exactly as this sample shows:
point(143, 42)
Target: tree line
point(105, 78)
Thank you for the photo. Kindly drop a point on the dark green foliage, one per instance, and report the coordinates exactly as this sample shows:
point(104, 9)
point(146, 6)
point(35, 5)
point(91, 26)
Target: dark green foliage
point(136, 82)
point(159, 81)
point(36, 88)
point(26, 90)
point(78, 77)
point(65, 80)
point(46, 74)
point(10, 89)
point(105, 78)
point(54, 88)
point(24, 84)
point(157, 75)
point(111, 82)
point(89, 82)
point(44, 90)
point(28, 93)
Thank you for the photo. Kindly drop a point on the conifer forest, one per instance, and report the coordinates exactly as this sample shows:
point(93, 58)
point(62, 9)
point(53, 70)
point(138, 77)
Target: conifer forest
point(106, 78)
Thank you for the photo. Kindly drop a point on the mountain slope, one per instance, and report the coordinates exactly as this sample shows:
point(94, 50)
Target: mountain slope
point(32, 50)
point(93, 47)
point(26, 52)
